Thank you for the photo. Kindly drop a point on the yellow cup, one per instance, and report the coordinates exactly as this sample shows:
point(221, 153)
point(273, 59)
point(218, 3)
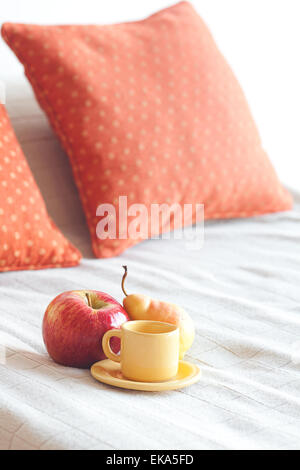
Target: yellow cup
point(149, 350)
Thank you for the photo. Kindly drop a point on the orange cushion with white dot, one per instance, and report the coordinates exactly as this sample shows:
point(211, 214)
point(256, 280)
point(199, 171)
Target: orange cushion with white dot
point(28, 238)
point(150, 110)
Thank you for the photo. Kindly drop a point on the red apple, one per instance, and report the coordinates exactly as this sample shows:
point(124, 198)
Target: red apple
point(74, 324)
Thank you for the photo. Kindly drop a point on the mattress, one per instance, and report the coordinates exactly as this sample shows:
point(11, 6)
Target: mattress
point(241, 289)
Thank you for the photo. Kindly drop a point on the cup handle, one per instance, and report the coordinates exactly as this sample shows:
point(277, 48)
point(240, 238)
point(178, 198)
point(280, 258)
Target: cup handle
point(106, 346)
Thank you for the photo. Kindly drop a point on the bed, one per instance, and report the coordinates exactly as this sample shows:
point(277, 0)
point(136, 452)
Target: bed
point(241, 288)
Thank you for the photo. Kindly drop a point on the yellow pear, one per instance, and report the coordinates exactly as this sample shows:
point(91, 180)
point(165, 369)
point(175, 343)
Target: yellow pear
point(143, 307)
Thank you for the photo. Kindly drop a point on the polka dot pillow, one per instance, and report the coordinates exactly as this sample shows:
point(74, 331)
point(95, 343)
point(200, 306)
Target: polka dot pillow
point(152, 111)
point(28, 238)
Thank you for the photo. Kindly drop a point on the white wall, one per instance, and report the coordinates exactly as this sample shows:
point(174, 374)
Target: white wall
point(259, 38)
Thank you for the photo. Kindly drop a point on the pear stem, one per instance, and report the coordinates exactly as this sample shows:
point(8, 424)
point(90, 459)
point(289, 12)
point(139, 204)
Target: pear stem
point(123, 280)
point(89, 300)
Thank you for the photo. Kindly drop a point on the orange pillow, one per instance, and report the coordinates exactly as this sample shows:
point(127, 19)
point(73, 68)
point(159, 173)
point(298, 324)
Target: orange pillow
point(28, 238)
point(150, 110)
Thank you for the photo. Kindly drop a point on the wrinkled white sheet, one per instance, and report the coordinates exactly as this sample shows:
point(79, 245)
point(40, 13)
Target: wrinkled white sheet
point(242, 290)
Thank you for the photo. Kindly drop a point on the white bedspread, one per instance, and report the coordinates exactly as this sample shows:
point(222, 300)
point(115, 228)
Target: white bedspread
point(242, 290)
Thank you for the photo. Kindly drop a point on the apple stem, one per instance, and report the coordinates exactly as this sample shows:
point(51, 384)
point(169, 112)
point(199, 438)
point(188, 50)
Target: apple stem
point(123, 280)
point(89, 300)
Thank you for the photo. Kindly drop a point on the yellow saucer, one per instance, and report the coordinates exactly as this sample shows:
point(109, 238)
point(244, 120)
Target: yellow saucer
point(109, 372)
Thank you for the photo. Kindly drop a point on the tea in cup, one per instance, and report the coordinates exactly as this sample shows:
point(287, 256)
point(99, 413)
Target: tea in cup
point(149, 350)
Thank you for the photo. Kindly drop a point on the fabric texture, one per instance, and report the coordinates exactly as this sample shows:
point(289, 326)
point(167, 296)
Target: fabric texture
point(242, 291)
point(150, 110)
point(28, 238)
